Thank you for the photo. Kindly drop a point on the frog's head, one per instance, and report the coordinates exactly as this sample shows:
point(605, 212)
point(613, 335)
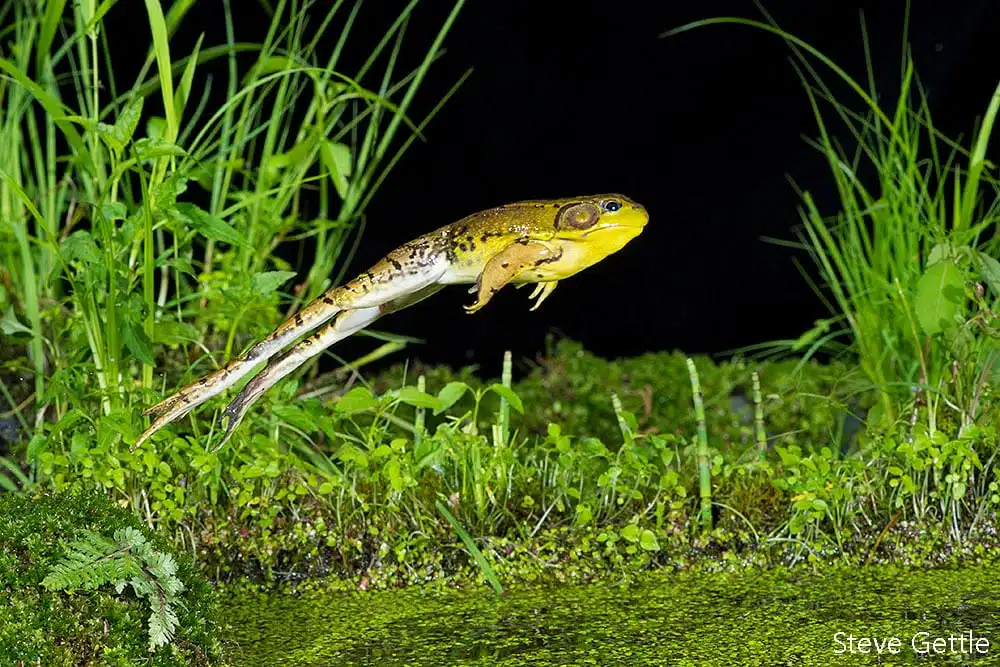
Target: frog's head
point(602, 224)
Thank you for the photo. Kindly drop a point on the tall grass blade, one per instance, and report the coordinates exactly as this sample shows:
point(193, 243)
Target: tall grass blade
point(474, 551)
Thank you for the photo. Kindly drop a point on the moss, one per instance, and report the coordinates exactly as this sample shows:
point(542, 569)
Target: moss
point(811, 404)
point(95, 627)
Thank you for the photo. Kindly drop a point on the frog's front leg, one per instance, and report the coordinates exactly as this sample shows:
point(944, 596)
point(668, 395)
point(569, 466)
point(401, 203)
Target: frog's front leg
point(542, 291)
point(508, 265)
point(345, 324)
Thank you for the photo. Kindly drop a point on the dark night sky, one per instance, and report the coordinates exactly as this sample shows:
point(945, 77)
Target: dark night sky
point(703, 128)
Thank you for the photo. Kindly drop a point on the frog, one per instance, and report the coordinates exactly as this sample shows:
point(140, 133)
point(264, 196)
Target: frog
point(538, 242)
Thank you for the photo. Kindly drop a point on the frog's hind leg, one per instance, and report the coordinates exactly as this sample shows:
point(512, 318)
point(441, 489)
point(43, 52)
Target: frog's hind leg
point(395, 277)
point(190, 397)
point(345, 324)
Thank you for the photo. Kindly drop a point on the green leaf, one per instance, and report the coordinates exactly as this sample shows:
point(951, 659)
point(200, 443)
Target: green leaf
point(508, 394)
point(15, 469)
point(449, 395)
point(137, 342)
point(80, 245)
point(156, 127)
point(178, 264)
point(989, 268)
point(161, 48)
point(69, 419)
point(203, 175)
point(470, 545)
point(336, 158)
point(95, 18)
point(209, 225)
point(413, 396)
point(630, 533)
point(267, 282)
point(295, 416)
point(272, 65)
point(204, 172)
point(56, 110)
point(348, 453)
point(294, 156)
point(94, 561)
point(114, 210)
point(118, 135)
point(38, 445)
point(392, 469)
point(169, 332)
point(940, 296)
point(150, 148)
point(50, 24)
point(9, 325)
point(6, 484)
point(167, 192)
point(356, 400)
point(183, 91)
point(939, 253)
point(820, 327)
point(647, 540)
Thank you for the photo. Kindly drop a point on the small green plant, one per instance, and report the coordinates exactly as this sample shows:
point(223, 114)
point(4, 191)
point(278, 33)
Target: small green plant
point(126, 560)
point(758, 417)
point(704, 456)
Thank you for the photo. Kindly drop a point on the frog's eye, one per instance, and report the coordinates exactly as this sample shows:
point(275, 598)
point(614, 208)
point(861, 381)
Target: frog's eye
point(611, 205)
point(581, 215)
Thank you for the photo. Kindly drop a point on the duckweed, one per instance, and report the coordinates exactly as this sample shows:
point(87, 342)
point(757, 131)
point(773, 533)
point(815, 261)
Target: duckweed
point(753, 618)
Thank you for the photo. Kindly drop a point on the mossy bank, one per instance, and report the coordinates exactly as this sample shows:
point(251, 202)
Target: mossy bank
point(92, 627)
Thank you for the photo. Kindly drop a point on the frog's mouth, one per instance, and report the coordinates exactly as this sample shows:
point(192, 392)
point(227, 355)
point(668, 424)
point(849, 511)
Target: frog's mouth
point(605, 228)
point(598, 243)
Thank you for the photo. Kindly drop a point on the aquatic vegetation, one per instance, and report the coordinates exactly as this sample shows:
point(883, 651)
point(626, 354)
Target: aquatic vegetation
point(778, 617)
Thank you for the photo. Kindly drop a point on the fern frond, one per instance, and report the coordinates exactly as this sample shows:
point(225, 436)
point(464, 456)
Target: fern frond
point(127, 560)
point(162, 624)
point(90, 562)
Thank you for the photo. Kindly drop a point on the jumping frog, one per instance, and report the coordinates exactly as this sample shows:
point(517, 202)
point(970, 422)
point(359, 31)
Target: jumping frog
point(539, 242)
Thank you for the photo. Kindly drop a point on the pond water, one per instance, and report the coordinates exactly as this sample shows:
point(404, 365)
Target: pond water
point(746, 619)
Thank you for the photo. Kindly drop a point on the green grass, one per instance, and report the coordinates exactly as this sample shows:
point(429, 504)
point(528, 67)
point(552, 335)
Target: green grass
point(906, 266)
point(908, 269)
point(138, 226)
point(470, 545)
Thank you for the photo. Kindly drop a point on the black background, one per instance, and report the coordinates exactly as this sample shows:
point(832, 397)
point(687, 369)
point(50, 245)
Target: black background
point(703, 128)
